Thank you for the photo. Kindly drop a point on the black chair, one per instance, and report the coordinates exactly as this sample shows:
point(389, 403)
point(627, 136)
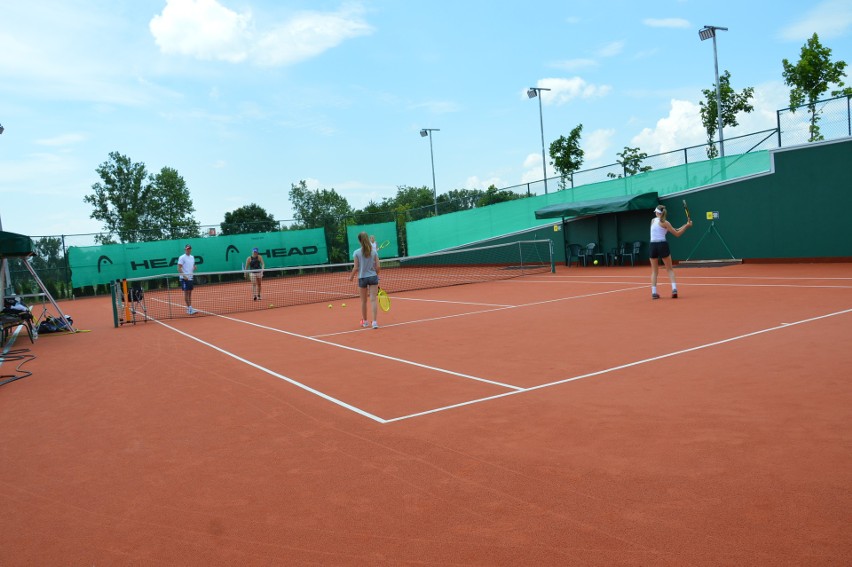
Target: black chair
point(616, 256)
point(632, 252)
point(572, 254)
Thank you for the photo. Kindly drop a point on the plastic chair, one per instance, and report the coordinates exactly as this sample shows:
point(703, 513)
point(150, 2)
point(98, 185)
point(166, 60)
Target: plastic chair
point(632, 252)
point(587, 254)
point(572, 254)
point(616, 256)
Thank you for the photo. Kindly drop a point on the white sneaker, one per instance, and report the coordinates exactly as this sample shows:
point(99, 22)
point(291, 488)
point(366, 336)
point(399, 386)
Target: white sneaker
point(375, 325)
point(191, 311)
point(365, 323)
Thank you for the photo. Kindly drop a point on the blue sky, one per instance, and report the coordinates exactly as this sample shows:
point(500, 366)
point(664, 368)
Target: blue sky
point(246, 97)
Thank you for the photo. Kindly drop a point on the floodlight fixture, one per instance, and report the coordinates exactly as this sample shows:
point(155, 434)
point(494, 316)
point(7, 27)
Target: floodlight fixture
point(424, 133)
point(533, 92)
point(1, 128)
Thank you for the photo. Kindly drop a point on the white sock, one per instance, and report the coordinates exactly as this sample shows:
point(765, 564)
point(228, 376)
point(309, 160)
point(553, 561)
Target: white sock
point(653, 289)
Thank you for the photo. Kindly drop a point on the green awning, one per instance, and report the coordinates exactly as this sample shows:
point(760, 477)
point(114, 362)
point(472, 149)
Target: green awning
point(599, 206)
point(13, 245)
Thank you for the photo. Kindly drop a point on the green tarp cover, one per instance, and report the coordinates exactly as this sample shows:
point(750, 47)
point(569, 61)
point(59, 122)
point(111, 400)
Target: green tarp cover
point(599, 206)
point(14, 245)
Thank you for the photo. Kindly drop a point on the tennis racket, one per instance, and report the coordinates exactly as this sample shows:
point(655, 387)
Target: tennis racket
point(384, 244)
point(686, 210)
point(384, 300)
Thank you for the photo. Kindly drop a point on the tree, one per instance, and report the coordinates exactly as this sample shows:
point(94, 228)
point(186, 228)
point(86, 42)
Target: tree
point(248, 219)
point(732, 104)
point(49, 264)
point(169, 215)
point(566, 155)
point(323, 208)
point(136, 207)
point(493, 196)
point(459, 200)
point(631, 162)
point(811, 77)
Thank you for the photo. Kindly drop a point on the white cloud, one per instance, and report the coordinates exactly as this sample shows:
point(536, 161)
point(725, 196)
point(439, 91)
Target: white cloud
point(596, 144)
point(565, 90)
point(532, 169)
point(202, 28)
point(666, 22)
point(474, 182)
point(681, 128)
point(830, 18)
point(611, 49)
point(206, 30)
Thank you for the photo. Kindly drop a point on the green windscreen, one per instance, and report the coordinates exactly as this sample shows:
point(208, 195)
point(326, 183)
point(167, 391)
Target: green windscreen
point(93, 265)
point(456, 229)
point(386, 239)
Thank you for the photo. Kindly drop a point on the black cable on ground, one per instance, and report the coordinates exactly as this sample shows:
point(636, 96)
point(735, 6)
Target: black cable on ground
point(11, 356)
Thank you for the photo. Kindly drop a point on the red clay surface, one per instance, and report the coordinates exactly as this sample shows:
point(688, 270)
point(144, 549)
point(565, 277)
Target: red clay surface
point(558, 419)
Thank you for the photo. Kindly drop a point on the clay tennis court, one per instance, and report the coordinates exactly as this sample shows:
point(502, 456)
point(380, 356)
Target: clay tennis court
point(554, 419)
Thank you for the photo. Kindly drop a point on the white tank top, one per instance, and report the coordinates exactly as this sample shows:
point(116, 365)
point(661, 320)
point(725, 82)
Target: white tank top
point(658, 232)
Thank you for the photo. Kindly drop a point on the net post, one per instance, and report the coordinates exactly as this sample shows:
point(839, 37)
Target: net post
point(552, 259)
point(114, 306)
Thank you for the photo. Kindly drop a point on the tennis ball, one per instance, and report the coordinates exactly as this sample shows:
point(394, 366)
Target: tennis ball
point(595, 262)
point(343, 305)
point(329, 305)
point(271, 306)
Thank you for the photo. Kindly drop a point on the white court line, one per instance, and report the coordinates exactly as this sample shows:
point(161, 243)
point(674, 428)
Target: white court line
point(533, 304)
point(622, 366)
point(396, 297)
point(681, 276)
point(696, 284)
point(324, 396)
point(344, 347)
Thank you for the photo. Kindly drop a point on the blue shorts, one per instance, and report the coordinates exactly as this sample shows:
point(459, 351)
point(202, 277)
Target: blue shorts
point(186, 285)
point(369, 280)
point(659, 250)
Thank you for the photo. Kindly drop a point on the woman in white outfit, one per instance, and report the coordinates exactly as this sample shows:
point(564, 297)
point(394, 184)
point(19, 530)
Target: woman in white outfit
point(660, 228)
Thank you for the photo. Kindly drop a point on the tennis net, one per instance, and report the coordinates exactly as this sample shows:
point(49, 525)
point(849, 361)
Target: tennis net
point(219, 293)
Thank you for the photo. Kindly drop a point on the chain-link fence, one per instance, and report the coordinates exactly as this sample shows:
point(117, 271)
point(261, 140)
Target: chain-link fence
point(825, 120)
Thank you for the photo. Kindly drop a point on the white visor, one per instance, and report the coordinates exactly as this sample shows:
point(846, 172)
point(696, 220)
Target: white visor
point(658, 211)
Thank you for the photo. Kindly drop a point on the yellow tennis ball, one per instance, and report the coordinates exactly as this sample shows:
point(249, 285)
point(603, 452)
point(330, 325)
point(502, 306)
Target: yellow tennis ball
point(329, 305)
point(343, 305)
point(271, 306)
point(595, 262)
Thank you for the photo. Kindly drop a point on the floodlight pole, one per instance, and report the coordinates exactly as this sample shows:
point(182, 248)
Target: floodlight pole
point(424, 133)
point(533, 92)
point(708, 32)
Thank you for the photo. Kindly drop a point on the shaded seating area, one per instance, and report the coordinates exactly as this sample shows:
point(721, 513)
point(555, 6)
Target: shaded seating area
point(607, 230)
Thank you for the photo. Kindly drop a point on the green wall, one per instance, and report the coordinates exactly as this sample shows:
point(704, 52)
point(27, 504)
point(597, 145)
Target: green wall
point(801, 210)
point(798, 211)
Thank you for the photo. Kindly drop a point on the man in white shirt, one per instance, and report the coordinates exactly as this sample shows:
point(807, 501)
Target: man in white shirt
point(186, 269)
